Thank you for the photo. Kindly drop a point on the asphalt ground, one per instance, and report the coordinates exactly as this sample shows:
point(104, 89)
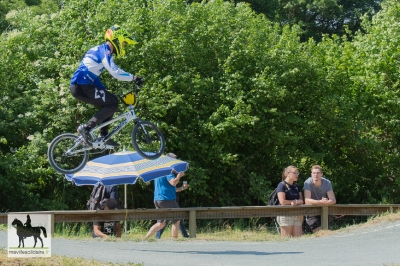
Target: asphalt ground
point(376, 245)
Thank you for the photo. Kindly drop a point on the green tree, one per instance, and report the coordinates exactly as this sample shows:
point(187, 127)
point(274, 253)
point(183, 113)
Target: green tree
point(5, 7)
point(318, 17)
point(237, 96)
point(38, 7)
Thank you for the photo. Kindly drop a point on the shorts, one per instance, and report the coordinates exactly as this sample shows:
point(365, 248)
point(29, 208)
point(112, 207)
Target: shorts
point(290, 220)
point(313, 221)
point(166, 204)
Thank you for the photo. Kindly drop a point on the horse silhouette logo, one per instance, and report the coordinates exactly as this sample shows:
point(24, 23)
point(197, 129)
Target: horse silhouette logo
point(26, 230)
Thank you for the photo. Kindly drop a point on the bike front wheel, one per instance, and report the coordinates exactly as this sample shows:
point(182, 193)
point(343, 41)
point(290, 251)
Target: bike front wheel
point(148, 140)
point(67, 154)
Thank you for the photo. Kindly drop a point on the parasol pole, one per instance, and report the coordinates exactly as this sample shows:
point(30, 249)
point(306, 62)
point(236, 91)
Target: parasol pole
point(125, 206)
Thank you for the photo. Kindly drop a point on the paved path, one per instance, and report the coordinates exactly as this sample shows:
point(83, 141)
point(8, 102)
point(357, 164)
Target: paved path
point(378, 245)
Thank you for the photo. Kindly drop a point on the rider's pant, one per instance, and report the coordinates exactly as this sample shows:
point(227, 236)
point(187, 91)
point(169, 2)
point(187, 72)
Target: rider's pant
point(106, 101)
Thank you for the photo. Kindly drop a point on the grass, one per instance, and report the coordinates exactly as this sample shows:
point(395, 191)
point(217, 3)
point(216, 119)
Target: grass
point(52, 261)
point(373, 221)
point(213, 231)
point(216, 230)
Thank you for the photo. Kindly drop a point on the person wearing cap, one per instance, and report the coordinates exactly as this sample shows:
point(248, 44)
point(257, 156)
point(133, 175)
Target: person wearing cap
point(165, 198)
point(102, 229)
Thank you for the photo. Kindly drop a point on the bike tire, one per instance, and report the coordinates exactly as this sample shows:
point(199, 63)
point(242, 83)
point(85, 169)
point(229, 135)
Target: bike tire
point(148, 140)
point(56, 154)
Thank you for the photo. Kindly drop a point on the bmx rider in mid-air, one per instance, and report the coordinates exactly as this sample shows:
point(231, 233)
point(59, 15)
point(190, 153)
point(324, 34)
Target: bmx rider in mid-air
point(86, 85)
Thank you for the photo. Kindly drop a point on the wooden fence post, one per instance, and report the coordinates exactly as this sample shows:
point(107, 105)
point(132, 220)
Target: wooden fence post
point(325, 218)
point(192, 224)
point(52, 224)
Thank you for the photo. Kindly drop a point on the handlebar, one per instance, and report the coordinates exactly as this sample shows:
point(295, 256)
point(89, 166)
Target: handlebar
point(131, 97)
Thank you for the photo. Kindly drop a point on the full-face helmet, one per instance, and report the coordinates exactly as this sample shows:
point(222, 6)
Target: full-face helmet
point(119, 37)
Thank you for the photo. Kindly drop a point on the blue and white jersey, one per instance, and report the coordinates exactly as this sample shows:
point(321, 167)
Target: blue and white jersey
point(93, 64)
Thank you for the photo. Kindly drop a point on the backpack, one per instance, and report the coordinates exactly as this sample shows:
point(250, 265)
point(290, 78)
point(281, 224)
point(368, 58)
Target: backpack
point(97, 195)
point(273, 198)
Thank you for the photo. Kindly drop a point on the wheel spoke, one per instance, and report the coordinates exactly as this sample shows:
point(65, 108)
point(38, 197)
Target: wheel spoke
point(66, 155)
point(148, 140)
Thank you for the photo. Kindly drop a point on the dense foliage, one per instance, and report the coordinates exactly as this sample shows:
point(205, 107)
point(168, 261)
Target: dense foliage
point(238, 96)
point(315, 17)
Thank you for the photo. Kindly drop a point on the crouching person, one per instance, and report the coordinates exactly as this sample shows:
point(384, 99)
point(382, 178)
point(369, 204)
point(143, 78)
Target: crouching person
point(104, 229)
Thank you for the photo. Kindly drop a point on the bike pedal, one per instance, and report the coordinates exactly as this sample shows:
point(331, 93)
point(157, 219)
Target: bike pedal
point(111, 147)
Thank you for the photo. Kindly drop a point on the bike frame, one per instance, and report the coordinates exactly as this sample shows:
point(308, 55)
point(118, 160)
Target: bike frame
point(128, 117)
point(101, 144)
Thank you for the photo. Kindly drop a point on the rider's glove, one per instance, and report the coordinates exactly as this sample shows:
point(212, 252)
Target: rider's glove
point(139, 81)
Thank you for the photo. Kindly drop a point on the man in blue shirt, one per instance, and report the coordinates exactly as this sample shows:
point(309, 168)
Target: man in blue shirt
point(182, 226)
point(164, 198)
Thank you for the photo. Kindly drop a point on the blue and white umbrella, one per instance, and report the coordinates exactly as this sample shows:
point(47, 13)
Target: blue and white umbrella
point(125, 168)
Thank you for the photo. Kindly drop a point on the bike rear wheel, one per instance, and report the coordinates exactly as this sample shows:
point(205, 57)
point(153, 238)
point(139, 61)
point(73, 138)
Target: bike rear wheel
point(67, 153)
point(148, 140)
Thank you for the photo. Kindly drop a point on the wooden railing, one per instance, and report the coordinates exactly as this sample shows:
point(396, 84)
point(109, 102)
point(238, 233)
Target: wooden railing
point(194, 214)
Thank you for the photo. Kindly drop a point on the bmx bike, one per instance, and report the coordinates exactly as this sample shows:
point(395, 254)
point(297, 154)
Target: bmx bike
point(68, 153)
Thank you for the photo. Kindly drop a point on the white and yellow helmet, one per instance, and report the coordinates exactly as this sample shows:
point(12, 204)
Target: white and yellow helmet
point(117, 36)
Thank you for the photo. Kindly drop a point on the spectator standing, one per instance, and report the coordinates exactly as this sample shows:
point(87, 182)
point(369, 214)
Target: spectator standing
point(165, 198)
point(317, 191)
point(182, 226)
point(289, 193)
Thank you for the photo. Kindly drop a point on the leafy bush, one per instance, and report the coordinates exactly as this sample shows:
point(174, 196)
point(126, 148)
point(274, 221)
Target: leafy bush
point(236, 96)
